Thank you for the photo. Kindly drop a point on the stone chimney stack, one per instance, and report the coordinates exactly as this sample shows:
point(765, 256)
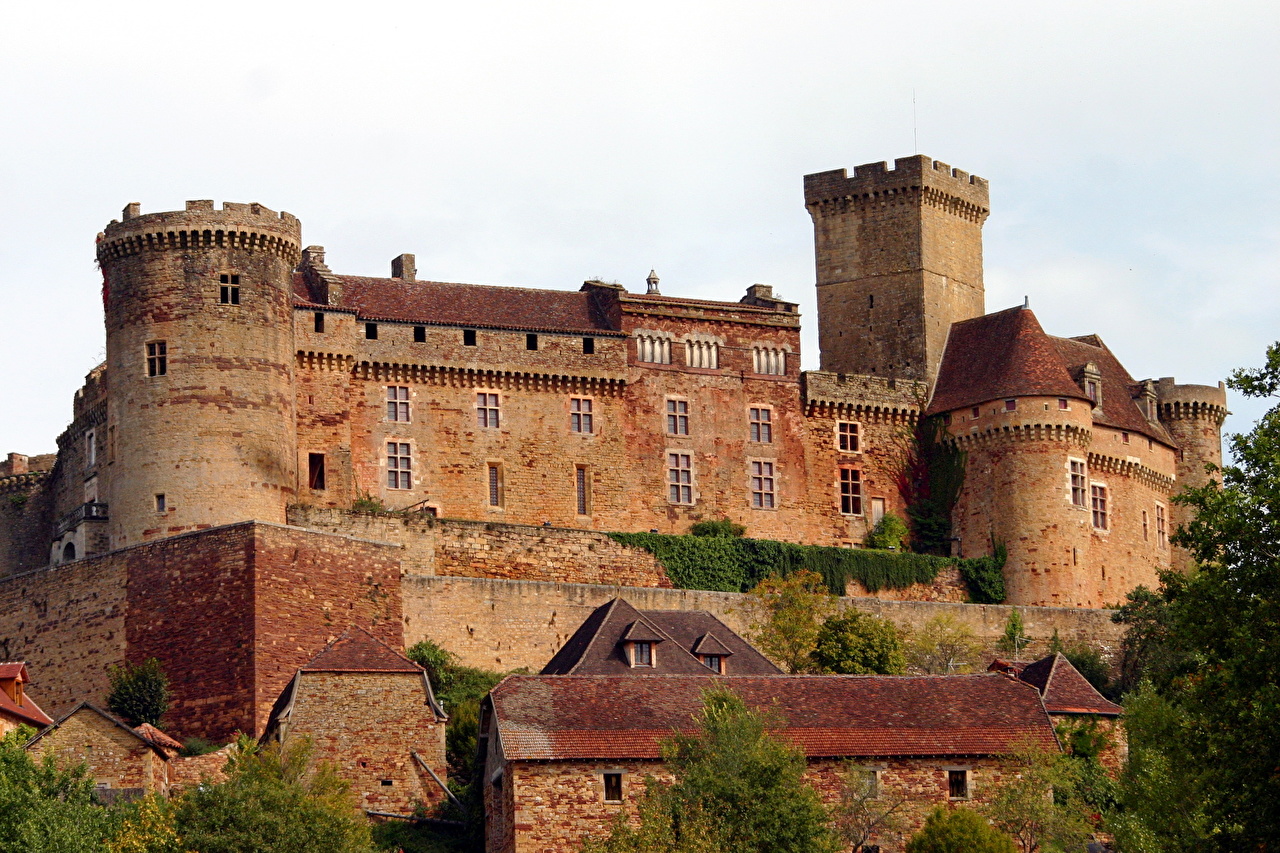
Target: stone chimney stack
point(404, 267)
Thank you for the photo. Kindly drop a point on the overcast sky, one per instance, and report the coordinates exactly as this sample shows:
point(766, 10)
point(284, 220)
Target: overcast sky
point(1131, 148)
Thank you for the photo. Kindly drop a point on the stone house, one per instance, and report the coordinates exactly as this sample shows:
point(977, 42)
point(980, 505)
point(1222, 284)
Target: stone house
point(564, 754)
point(370, 712)
point(617, 639)
point(123, 762)
point(17, 708)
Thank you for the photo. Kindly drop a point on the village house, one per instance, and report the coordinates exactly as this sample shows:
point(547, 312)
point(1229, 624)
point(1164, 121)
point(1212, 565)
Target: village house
point(564, 754)
point(17, 708)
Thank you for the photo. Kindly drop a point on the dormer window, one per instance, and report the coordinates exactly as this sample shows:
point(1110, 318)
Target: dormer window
point(1092, 381)
point(642, 654)
point(715, 663)
point(1091, 389)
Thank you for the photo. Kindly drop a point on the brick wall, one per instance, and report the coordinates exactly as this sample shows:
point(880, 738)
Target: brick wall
point(113, 757)
point(502, 625)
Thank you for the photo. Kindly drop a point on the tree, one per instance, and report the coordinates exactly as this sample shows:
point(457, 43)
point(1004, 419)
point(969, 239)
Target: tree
point(1013, 641)
point(273, 799)
point(735, 787)
point(1037, 802)
point(785, 617)
point(889, 533)
point(855, 643)
point(149, 827)
point(139, 694)
point(865, 811)
point(958, 831)
point(944, 646)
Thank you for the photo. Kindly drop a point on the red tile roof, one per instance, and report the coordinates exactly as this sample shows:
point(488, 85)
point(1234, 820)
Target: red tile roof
point(1065, 690)
point(1117, 408)
point(359, 651)
point(596, 647)
point(28, 712)
point(157, 737)
point(611, 717)
point(471, 305)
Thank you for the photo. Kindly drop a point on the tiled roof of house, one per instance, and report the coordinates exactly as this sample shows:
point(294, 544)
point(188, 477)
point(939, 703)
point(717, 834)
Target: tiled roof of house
point(28, 712)
point(1064, 689)
point(596, 647)
point(359, 651)
point(610, 717)
point(1117, 408)
point(471, 305)
point(157, 737)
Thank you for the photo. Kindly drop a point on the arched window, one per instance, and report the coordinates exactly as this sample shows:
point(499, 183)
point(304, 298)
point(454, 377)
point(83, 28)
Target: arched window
point(68, 552)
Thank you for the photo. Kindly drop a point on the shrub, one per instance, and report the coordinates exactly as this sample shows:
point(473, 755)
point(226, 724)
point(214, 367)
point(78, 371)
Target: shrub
point(721, 527)
point(854, 643)
point(139, 694)
point(888, 534)
point(958, 831)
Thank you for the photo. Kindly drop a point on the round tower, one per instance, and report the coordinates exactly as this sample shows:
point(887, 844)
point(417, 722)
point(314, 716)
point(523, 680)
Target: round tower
point(1193, 415)
point(199, 317)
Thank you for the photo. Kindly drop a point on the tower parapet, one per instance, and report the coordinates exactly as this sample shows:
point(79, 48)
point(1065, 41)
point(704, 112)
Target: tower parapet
point(200, 354)
point(899, 259)
point(1193, 415)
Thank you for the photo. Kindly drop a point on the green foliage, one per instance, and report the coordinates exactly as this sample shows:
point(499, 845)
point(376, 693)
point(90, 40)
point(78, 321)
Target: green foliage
point(1083, 737)
point(1038, 803)
point(865, 812)
point(785, 616)
point(436, 660)
point(1013, 641)
point(736, 788)
point(984, 576)
point(418, 838)
point(368, 503)
point(18, 501)
point(720, 527)
point(149, 826)
point(889, 533)
point(139, 694)
point(943, 646)
point(930, 478)
point(44, 808)
point(958, 831)
point(198, 746)
point(730, 564)
point(459, 689)
point(275, 800)
point(1148, 651)
point(855, 643)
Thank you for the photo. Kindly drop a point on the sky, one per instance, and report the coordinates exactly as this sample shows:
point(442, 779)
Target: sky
point(1131, 149)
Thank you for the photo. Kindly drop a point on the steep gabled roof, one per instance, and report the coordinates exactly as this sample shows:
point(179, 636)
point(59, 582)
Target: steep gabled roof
point(159, 748)
point(359, 651)
point(1005, 354)
point(1117, 408)
point(596, 647)
point(617, 717)
point(28, 712)
point(1064, 689)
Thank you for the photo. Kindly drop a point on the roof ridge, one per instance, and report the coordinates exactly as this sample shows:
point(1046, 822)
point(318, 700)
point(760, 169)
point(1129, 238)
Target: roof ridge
point(610, 605)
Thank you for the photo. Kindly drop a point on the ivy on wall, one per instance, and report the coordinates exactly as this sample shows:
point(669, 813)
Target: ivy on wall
point(730, 564)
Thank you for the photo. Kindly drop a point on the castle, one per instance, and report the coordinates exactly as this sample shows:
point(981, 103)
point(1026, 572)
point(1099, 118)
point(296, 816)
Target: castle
point(246, 382)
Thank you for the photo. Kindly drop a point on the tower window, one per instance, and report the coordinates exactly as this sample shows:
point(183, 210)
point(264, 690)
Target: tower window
point(582, 489)
point(487, 410)
point(319, 322)
point(1162, 533)
point(371, 331)
point(1098, 503)
point(157, 358)
point(760, 423)
point(468, 337)
point(419, 334)
point(399, 466)
point(680, 478)
point(90, 449)
point(677, 417)
point(530, 341)
point(1145, 527)
point(1063, 404)
point(1010, 405)
point(495, 484)
point(229, 293)
point(762, 485)
point(397, 403)
point(588, 346)
point(1124, 437)
point(580, 416)
point(850, 491)
point(847, 435)
point(315, 471)
point(162, 505)
point(1076, 482)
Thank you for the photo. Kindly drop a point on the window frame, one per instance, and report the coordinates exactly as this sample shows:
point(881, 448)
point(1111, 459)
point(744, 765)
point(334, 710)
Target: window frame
point(760, 424)
point(1078, 482)
point(648, 658)
point(1099, 509)
point(398, 404)
point(488, 410)
point(1162, 527)
point(849, 490)
point(495, 485)
point(582, 490)
point(848, 433)
point(680, 478)
point(966, 783)
point(718, 669)
point(582, 415)
point(609, 779)
point(762, 483)
point(677, 416)
point(399, 456)
point(316, 472)
point(157, 358)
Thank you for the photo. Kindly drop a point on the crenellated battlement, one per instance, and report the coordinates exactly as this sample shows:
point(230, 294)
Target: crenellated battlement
point(1191, 401)
point(250, 227)
point(933, 181)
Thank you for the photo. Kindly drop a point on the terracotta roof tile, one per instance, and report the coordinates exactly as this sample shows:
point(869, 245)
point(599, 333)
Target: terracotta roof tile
point(157, 737)
point(1118, 408)
point(359, 651)
point(582, 717)
point(1065, 690)
point(472, 305)
point(29, 711)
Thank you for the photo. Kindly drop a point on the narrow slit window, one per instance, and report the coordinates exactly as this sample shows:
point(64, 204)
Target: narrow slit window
point(495, 484)
point(162, 504)
point(315, 471)
point(319, 323)
point(581, 487)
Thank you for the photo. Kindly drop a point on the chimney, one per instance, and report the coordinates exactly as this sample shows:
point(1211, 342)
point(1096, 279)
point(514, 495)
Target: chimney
point(131, 210)
point(652, 281)
point(404, 267)
point(17, 463)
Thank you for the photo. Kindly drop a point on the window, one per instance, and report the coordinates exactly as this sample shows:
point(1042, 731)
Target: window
point(588, 346)
point(495, 484)
point(580, 417)
point(397, 403)
point(847, 436)
point(715, 663)
point(371, 331)
point(90, 449)
point(319, 323)
point(653, 349)
point(1091, 390)
point(680, 478)
point(677, 417)
point(468, 337)
point(642, 654)
point(1124, 438)
point(69, 552)
point(1098, 502)
point(399, 466)
point(1076, 482)
point(315, 471)
point(157, 358)
point(762, 485)
point(530, 341)
point(769, 360)
point(1162, 534)
point(1063, 404)
point(419, 334)
point(229, 292)
point(162, 505)
point(704, 354)
point(975, 412)
point(850, 491)
point(1010, 405)
point(613, 787)
point(958, 784)
point(582, 490)
point(877, 510)
point(487, 410)
point(1145, 527)
point(761, 425)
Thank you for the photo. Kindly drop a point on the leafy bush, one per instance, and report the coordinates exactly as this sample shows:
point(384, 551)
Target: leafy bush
point(198, 746)
point(856, 643)
point(44, 808)
point(957, 830)
point(984, 576)
point(139, 694)
point(368, 503)
point(888, 534)
point(721, 527)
